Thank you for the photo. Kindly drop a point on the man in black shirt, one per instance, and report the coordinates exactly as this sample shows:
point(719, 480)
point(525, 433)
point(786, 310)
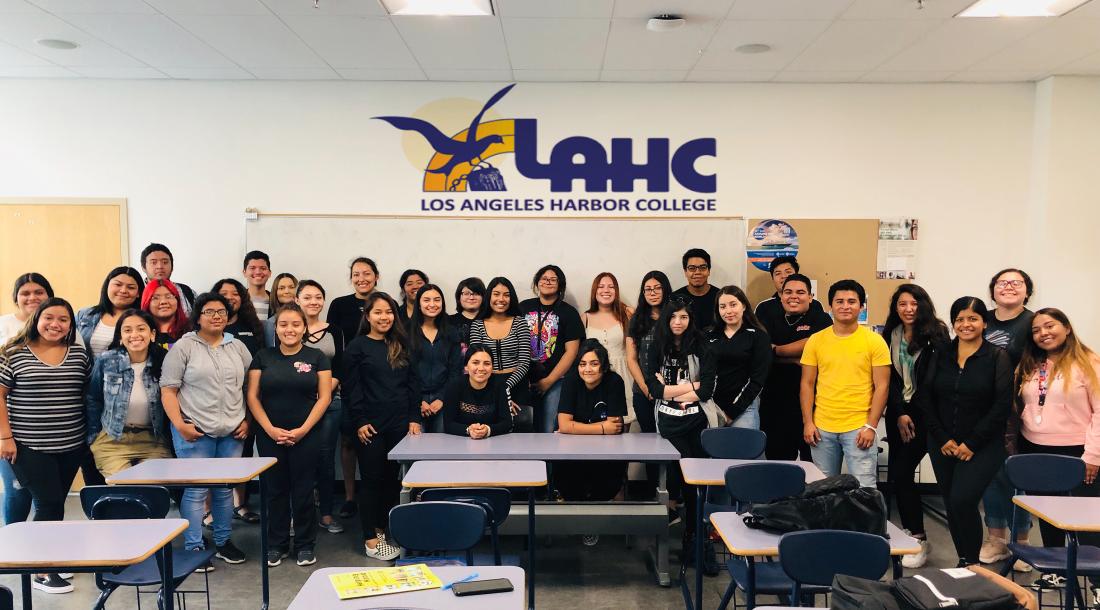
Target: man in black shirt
point(158, 264)
point(556, 334)
point(770, 310)
point(699, 292)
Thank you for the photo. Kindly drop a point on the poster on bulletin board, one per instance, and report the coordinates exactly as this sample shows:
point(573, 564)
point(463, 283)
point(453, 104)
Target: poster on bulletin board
point(768, 240)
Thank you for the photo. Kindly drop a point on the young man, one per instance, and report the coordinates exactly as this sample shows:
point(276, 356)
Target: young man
point(157, 262)
point(845, 381)
point(770, 310)
point(780, 410)
point(556, 335)
point(257, 270)
point(700, 293)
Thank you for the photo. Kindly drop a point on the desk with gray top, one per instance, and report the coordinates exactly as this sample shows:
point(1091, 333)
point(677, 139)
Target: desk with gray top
point(647, 518)
point(1071, 514)
point(87, 546)
point(209, 473)
point(319, 594)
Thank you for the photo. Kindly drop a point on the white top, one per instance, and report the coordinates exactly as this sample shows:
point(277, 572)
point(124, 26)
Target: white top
point(9, 327)
point(614, 341)
point(138, 413)
point(101, 338)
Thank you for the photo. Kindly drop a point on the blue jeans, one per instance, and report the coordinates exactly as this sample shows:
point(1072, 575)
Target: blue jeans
point(548, 414)
point(329, 428)
point(17, 501)
point(997, 502)
point(750, 418)
point(835, 447)
point(192, 505)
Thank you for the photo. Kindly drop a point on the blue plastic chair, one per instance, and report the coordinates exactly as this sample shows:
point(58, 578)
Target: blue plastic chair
point(139, 502)
point(728, 444)
point(7, 600)
point(1048, 474)
point(496, 501)
point(433, 527)
point(757, 483)
point(811, 561)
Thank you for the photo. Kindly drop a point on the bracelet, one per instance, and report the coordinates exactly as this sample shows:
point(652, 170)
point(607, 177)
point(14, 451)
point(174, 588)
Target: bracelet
point(7, 438)
point(871, 428)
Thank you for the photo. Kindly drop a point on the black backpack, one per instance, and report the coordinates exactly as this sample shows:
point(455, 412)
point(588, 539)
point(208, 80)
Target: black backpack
point(851, 593)
point(836, 503)
point(930, 590)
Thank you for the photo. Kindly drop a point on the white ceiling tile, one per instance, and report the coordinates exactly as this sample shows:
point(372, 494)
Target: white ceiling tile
point(688, 9)
point(556, 75)
point(36, 72)
point(1085, 65)
point(12, 57)
point(295, 73)
point(498, 75)
point(381, 74)
point(252, 41)
point(959, 43)
point(154, 39)
point(886, 76)
point(1065, 40)
point(210, 7)
point(359, 8)
point(979, 76)
point(904, 9)
point(120, 73)
point(22, 29)
point(731, 76)
point(233, 73)
point(18, 6)
point(556, 43)
point(632, 47)
point(96, 6)
point(354, 42)
point(581, 9)
point(860, 45)
point(455, 43)
point(663, 76)
point(787, 39)
point(788, 9)
point(818, 76)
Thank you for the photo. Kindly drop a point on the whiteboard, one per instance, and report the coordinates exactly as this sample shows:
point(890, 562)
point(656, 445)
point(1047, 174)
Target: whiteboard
point(451, 249)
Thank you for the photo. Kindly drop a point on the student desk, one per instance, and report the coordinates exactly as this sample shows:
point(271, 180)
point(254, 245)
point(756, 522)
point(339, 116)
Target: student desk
point(1072, 515)
point(647, 518)
point(484, 473)
point(746, 542)
point(704, 472)
point(33, 547)
point(319, 594)
point(209, 473)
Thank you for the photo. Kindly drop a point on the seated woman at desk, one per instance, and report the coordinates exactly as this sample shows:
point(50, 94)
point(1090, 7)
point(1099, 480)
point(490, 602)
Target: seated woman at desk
point(593, 401)
point(476, 405)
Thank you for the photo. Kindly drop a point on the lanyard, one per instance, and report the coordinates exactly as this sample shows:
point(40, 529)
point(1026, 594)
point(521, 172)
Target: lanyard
point(1043, 383)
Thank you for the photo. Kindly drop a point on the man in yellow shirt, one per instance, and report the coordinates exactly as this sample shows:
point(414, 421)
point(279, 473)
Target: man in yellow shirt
point(845, 380)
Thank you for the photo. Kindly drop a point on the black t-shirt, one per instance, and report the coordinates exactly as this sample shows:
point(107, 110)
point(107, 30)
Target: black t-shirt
point(346, 313)
point(245, 335)
point(462, 325)
point(608, 399)
point(783, 381)
point(770, 311)
point(551, 328)
point(702, 308)
point(1010, 335)
point(464, 405)
point(288, 384)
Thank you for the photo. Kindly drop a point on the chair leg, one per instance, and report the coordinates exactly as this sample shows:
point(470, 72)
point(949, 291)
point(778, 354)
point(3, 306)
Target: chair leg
point(1006, 569)
point(104, 593)
point(730, 593)
point(206, 575)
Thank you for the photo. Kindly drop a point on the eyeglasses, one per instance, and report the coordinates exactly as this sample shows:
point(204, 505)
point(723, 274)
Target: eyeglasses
point(653, 290)
point(1007, 283)
point(696, 268)
point(163, 298)
point(548, 280)
point(215, 313)
point(466, 294)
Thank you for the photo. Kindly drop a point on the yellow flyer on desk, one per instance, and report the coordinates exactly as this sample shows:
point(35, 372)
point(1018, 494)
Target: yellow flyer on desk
point(384, 581)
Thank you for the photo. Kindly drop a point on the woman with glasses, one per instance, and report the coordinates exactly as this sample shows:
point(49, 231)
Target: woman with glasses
point(161, 299)
point(652, 296)
point(469, 297)
point(555, 335)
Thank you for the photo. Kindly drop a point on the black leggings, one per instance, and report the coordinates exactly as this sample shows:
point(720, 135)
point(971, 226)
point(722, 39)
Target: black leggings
point(290, 486)
point(781, 421)
point(381, 487)
point(903, 461)
point(1053, 536)
point(689, 444)
point(48, 477)
point(962, 485)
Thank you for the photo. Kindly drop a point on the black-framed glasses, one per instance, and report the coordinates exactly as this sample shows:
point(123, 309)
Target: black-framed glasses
point(215, 313)
point(697, 268)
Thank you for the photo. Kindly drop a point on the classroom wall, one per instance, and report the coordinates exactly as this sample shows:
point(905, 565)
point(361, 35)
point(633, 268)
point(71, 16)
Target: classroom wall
point(190, 156)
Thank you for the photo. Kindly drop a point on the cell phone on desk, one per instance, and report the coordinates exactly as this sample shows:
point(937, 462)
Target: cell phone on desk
point(480, 587)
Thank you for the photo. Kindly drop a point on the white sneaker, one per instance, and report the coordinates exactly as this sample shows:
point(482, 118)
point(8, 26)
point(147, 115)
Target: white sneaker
point(66, 575)
point(993, 550)
point(918, 560)
point(1095, 596)
point(383, 552)
point(1021, 567)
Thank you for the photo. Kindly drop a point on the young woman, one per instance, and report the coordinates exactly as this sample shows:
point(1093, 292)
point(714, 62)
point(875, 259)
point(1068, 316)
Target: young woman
point(476, 405)
point(121, 290)
point(244, 324)
point(555, 333)
point(606, 321)
point(469, 296)
point(201, 385)
point(436, 353)
point(285, 292)
point(330, 340)
point(161, 299)
point(383, 406)
point(30, 291)
point(501, 327)
point(1059, 391)
point(411, 281)
point(914, 334)
point(653, 293)
point(682, 377)
point(126, 422)
point(43, 370)
point(743, 357)
point(289, 388)
point(966, 399)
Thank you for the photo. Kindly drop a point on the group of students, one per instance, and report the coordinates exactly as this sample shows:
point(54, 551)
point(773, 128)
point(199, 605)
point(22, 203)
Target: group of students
point(156, 370)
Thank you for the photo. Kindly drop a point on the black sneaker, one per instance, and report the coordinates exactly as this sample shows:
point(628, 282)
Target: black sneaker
point(348, 509)
point(206, 566)
point(229, 553)
point(275, 557)
point(306, 557)
point(52, 583)
point(673, 517)
point(1050, 581)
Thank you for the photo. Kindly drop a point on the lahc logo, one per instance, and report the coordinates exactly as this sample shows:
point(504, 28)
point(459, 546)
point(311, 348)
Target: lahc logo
point(461, 161)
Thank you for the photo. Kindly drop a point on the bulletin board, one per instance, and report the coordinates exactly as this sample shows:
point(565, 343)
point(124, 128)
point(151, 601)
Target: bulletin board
point(831, 250)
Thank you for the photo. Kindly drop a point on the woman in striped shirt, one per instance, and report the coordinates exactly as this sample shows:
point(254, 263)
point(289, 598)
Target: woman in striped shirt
point(501, 327)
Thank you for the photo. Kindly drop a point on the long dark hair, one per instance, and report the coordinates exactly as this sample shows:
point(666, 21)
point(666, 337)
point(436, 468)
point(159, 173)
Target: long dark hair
point(30, 329)
point(405, 275)
point(928, 329)
point(665, 341)
point(748, 316)
point(513, 301)
point(416, 330)
point(104, 305)
point(1074, 353)
point(641, 322)
point(397, 350)
point(33, 278)
point(156, 352)
point(246, 313)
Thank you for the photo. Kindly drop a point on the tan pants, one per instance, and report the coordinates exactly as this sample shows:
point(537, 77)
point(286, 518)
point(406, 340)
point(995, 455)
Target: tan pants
point(113, 456)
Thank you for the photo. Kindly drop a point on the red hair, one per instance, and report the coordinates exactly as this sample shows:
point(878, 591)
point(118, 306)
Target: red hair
point(180, 324)
point(618, 308)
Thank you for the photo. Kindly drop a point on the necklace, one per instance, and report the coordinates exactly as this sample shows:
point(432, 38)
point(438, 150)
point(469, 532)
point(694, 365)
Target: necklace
point(786, 318)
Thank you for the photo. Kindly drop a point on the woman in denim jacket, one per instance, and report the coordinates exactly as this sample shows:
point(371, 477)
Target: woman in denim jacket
point(97, 324)
point(126, 422)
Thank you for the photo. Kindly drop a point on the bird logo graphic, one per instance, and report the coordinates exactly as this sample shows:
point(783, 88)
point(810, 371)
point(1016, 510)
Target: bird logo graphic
point(460, 161)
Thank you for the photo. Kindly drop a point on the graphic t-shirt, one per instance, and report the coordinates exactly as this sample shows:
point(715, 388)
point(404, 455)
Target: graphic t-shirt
point(1010, 335)
point(551, 328)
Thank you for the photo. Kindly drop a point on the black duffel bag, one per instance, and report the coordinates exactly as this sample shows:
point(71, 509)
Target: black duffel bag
point(852, 593)
point(835, 503)
point(956, 588)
